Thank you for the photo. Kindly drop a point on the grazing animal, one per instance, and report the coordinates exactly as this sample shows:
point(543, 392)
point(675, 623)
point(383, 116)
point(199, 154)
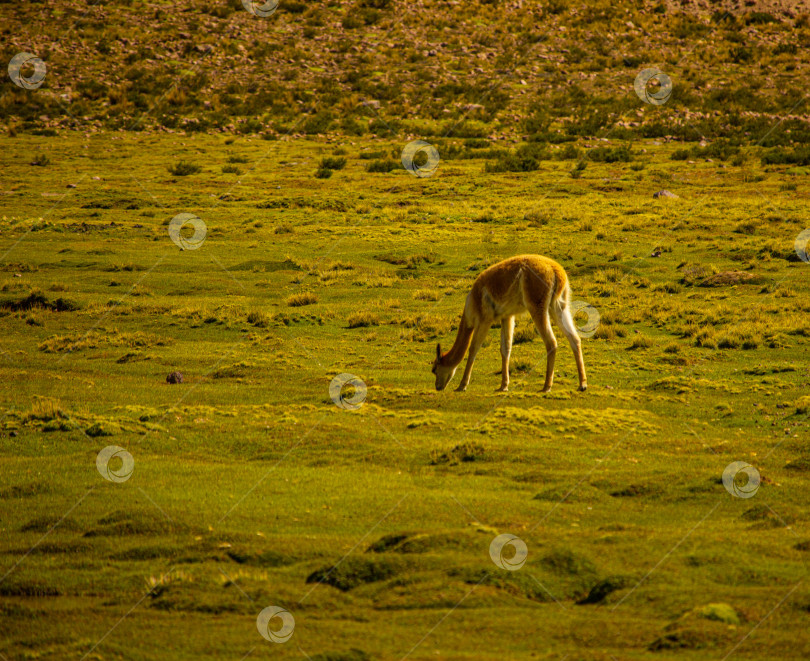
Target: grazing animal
point(526, 283)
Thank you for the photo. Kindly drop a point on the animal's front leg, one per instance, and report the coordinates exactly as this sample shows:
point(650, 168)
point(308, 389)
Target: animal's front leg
point(477, 340)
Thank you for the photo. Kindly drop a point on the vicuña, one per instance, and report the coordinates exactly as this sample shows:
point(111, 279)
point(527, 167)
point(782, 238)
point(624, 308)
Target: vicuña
point(526, 283)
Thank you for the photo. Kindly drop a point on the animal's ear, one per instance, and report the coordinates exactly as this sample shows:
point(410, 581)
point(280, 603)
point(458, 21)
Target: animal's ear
point(438, 352)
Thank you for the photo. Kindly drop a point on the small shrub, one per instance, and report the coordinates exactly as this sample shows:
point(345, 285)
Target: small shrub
point(524, 159)
point(231, 169)
point(578, 169)
point(333, 163)
point(183, 169)
point(385, 165)
point(323, 173)
point(611, 154)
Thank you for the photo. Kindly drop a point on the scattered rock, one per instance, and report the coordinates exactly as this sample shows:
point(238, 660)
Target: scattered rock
point(664, 193)
point(174, 377)
point(656, 253)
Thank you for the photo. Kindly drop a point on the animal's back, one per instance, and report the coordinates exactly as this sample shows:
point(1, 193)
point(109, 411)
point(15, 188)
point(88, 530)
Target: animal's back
point(504, 287)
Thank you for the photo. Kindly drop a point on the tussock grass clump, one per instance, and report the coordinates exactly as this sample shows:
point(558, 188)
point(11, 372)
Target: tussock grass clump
point(93, 339)
point(464, 452)
point(706, 338)
point(409, 261)
point(45, 409)
point(641, 342)
point(537, 218)
point(362, 320)
point(524, 335)
point(425, 327)
point(183, 169)
point(304, 298)
point(427, 295)
point(28, 588)
point(36, 300)
point(258, 318)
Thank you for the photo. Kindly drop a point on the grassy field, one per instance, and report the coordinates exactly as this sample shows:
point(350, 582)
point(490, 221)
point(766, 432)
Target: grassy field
point(372, 526)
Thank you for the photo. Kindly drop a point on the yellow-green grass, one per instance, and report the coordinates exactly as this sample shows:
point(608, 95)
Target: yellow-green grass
point(248, 479)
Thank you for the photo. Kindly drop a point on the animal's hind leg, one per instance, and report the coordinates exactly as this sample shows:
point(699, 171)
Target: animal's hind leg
point(507, 331)
point(562, 315)
point(541, 320)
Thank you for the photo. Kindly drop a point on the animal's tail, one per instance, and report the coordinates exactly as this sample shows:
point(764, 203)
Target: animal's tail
point(561, 304)
point(561, 290)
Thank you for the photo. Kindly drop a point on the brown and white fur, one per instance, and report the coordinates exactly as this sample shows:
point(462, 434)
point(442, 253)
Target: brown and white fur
point(526, 283)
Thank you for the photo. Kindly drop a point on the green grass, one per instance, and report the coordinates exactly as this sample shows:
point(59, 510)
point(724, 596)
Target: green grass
point(250, 484)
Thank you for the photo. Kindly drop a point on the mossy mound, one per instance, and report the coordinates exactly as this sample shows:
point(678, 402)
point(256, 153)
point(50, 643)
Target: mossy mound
point(428, 542)
point(353, 572)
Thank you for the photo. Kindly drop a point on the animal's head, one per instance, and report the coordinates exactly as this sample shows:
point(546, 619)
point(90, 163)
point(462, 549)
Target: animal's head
point(443, 372)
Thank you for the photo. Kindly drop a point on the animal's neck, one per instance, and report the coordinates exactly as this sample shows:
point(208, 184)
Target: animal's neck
point(456, 354)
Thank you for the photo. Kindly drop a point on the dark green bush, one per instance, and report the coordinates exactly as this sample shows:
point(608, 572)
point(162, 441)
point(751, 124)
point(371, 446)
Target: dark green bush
point(382, 166)
point(183, 169)
point(524, 159)
point(333, 163)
